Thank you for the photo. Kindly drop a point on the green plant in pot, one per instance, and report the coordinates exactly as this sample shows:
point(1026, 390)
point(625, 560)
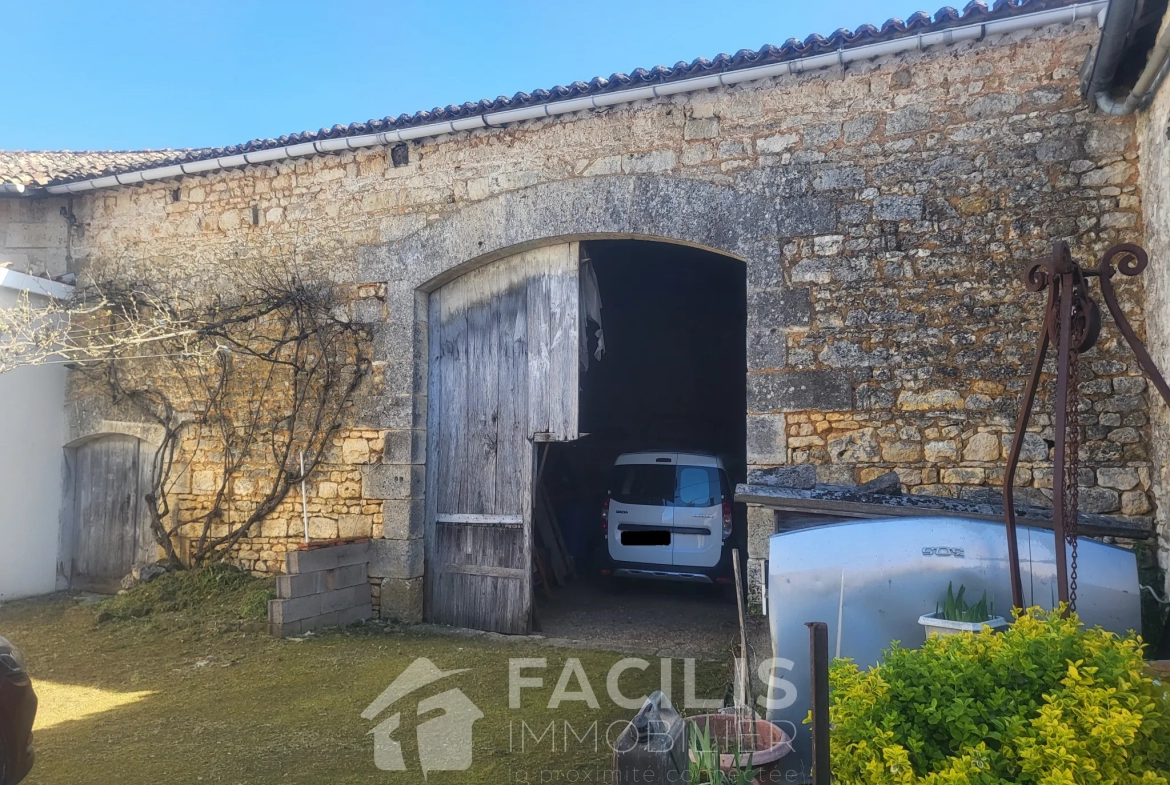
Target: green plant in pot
point(705, 761)
point(955, 615)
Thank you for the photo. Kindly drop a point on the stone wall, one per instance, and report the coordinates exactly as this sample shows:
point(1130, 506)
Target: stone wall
point(34, 235)
point(1153, 125)
point(885, 213)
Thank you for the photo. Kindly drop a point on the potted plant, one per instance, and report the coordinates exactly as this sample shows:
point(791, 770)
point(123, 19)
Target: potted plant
point(955, 615)
point(711, 766)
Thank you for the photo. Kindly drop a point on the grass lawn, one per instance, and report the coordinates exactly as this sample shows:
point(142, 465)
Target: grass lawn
point(188, 694)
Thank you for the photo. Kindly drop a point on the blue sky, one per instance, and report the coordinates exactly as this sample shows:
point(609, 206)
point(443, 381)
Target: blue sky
point(120, 75)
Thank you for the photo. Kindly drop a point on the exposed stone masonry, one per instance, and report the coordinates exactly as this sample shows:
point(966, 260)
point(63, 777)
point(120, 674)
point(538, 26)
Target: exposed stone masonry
point(1155, 175)
point(885, 214)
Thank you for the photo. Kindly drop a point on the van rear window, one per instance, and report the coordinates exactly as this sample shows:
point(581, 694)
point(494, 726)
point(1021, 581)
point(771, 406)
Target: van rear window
point(666, 486)
point(697, 486)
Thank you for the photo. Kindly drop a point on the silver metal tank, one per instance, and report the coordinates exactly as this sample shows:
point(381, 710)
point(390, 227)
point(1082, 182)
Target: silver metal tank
point(870, 580)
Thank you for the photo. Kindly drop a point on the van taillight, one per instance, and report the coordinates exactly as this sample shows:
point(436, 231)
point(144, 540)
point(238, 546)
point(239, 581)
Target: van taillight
point(726, 520)
point(605, 519)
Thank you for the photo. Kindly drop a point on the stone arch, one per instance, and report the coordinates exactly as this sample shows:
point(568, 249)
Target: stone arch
point(748, 222)
point(150, 433)
point(739, 222)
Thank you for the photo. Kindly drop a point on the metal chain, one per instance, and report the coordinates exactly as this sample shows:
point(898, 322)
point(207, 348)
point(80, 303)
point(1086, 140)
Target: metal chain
point(1072, 472)
point(1072, 453)
point(1072, 462)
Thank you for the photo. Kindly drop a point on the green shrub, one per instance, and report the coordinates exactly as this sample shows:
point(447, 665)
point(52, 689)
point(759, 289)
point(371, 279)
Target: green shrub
point(1046, 701)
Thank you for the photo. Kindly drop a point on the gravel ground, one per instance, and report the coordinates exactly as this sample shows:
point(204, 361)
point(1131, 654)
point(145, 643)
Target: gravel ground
point(646, 617)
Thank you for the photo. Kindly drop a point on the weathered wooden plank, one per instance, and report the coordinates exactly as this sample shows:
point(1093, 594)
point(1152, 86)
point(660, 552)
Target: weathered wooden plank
point(478, 489)
point(432, 565)
point(112, 485)
point(477, 596)
point(146, 547)
point(526, 464)
point(486, 570)
point(491, 545)
point(539, 345)
point(82, 500)
point(564, 352)
point(901, 506)
point(512, 383)
point(450, 404)
point(474, 519)
point(108, 491)
point(452, 400)
point(128, 530)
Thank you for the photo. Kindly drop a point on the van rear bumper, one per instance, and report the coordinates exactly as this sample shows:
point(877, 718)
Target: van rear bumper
point(661, 574)
point(686, 573)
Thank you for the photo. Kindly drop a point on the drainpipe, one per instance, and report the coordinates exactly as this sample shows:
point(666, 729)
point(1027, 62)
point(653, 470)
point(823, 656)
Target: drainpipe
point(1115, 30)
point(11, 188)
point(1145, 83)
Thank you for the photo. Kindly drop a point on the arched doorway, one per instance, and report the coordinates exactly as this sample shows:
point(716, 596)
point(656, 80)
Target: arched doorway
point(536, 385)
point(730, 223)
point(110, 527)
point(671, 377)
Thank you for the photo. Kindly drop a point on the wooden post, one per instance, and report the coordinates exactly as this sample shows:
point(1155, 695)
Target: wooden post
point(744, 664)
point(819, 663)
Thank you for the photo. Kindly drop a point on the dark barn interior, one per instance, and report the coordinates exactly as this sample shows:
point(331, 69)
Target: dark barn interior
point(672, 378)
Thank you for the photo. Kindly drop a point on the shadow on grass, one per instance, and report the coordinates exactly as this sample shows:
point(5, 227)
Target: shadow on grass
point(240, 707)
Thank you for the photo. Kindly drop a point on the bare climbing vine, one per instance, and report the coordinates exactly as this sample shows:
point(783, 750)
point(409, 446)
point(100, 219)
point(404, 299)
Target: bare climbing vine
point(253, 381)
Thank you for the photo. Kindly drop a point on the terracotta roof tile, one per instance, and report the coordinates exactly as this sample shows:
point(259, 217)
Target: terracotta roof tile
point(39, 168)
point(43, 168)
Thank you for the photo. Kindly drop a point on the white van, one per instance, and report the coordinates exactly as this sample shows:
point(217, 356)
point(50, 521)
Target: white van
point(667, 515)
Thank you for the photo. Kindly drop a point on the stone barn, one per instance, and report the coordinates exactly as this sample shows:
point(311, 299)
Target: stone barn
point(805, 256)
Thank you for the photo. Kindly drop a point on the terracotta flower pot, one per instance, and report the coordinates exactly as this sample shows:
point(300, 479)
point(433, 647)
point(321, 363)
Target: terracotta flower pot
point(771, 743)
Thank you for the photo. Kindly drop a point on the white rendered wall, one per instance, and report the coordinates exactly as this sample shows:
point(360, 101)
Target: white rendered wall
point(32, 431)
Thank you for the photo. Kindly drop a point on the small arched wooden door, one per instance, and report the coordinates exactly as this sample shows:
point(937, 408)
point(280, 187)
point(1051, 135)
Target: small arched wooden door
point(111, 527)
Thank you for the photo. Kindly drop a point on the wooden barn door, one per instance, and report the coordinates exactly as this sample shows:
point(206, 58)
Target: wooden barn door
point(111, 529)
point(503, 372)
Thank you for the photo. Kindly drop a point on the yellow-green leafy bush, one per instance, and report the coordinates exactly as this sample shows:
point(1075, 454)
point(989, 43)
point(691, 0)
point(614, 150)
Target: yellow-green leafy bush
point(1046, 701)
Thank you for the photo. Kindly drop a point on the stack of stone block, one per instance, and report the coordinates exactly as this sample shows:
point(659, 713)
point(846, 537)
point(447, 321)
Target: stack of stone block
point(322, 587)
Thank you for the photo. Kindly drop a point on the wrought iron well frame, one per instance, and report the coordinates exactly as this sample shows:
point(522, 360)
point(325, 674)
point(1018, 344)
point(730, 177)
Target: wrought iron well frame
point(1072, 321)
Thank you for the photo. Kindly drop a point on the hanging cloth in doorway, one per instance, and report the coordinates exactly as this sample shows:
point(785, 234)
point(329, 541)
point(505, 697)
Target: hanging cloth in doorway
point(590, 311)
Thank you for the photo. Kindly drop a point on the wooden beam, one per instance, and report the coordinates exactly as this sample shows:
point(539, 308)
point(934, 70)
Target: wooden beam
point(486, 570)
point(850, 509)
point(478, 519)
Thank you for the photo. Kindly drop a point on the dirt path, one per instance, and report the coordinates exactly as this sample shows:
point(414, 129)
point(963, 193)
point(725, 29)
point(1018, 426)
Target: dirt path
point(647, 617)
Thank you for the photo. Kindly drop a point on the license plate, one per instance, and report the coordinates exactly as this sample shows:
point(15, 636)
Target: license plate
point(646, 537)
